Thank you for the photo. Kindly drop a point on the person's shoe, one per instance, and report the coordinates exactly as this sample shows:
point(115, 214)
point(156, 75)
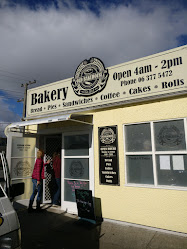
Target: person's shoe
point(38, 208)
point(30, 209)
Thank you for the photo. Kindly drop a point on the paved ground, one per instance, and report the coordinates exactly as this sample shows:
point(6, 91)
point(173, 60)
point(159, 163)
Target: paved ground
point(53, 229)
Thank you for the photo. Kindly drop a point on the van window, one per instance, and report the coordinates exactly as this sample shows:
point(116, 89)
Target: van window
point(1, 193)
point(1, 171)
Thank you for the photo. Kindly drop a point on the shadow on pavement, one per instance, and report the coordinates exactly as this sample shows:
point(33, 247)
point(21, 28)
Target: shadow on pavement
point(56, 230)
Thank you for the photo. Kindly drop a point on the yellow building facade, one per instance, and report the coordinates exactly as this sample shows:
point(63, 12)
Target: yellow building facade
point(131, 124)
point(156, 206)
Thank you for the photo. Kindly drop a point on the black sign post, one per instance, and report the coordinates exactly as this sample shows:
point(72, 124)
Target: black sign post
point(85, 204)
point(108, 155)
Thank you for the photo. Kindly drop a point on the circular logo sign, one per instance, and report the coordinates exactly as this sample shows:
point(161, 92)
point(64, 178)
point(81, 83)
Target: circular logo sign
point(90, 77)
point(107, 136)
point(169, 136)
point(22, 168)
point(76, 169)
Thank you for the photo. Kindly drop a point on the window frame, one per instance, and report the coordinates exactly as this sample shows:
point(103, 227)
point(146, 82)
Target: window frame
point(153, 153)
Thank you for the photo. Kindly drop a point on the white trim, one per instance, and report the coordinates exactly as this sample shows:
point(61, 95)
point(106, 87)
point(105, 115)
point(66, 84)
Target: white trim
point(153, 154)
point(23, 157)
point(76, 157)
point(23, 178)
point(40, 121)
point(52, 119)
point(185, 130)
point(125, 160)
point(75, 179)
point(166, 187)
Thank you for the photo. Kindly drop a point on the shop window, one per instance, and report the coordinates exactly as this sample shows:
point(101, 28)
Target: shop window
point(138, 137)
point(156, 154)
point(172, 170)
point(169, 135)
point(140, 169)
point(77, 145)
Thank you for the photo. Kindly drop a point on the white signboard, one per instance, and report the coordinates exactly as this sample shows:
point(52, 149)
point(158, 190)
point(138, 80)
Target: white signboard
point(178, 162)
point(165, 163)
point(94, 86)
point(23, 147)
point(23, 157)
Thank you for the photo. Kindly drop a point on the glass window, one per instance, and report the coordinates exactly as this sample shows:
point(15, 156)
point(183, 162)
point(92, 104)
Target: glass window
point(76, 145)
point(165, 160)
point(76, 168)
point(76, 164)
point(169, 135)
point(140, 169)
point(138, 137)
point(172, 170)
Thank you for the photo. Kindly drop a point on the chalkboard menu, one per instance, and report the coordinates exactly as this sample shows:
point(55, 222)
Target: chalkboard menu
point(108, 155)
point(85, 204)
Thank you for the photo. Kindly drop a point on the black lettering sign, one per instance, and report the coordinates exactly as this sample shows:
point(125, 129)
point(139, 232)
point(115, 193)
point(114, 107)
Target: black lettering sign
point(108, 155)
point(85, 204)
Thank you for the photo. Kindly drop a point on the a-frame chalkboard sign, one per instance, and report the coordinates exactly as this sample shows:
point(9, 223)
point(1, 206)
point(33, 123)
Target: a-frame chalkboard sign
point(85, 204)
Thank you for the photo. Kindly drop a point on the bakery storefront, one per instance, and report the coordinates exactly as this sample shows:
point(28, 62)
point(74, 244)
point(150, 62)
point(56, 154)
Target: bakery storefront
point(122, 133)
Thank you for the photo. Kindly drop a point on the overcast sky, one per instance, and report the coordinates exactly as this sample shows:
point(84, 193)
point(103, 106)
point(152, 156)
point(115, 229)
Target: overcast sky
point(47, 39)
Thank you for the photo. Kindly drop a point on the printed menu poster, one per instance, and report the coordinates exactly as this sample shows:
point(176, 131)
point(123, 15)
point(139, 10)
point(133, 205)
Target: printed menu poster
point(108, 155)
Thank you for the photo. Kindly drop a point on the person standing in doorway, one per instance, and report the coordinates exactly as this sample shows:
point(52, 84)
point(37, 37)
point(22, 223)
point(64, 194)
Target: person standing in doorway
point(57, 174)
point(37, 180)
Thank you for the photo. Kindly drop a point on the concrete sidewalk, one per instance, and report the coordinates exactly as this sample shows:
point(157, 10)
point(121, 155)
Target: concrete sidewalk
point(55, 229)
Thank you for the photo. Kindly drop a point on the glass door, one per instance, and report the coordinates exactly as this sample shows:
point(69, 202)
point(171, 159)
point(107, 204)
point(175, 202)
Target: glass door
point(76, 164)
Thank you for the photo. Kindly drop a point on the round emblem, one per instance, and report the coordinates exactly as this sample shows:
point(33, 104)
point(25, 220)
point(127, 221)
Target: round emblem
point(169, 136)
point(22, 168)
point(107, 136)
point(90, 77)
point(1, 219)
point(76, 169)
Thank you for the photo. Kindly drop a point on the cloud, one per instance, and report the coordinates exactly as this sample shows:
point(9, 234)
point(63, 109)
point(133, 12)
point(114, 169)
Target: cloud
point(47, 44)
point(7, 114)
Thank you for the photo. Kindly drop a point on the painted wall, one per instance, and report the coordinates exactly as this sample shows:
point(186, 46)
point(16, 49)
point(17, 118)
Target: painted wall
point(160, 208)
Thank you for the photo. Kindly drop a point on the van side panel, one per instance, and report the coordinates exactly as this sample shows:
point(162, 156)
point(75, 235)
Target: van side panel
point(4, 224)
point(11, 214)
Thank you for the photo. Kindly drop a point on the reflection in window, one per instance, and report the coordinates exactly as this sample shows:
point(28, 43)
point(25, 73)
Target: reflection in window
point(138, 137)
point(76, 145)
point(169, 135)
point(76, 168)
point(172, 170)
point(140, 169)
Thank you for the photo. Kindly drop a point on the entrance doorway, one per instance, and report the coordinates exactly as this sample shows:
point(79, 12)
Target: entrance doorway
point(77, 166)
point(51, 145)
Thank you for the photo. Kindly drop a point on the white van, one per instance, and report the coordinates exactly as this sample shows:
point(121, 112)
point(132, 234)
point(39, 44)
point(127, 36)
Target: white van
point(10, 235)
